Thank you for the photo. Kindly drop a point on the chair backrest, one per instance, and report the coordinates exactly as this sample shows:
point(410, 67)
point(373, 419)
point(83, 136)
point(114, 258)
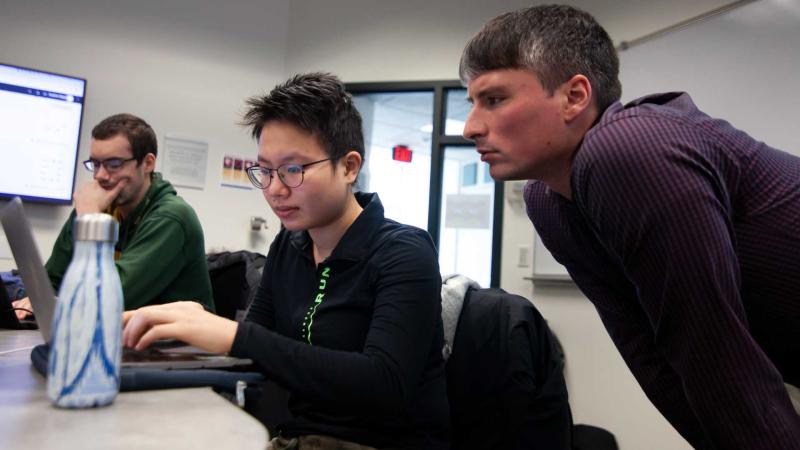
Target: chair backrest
point(590, 437)
point(505, 377)
point(234, 281)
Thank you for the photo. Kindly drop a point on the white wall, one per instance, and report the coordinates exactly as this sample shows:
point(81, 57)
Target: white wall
point(184, 66)
point(386, 40)
point(365, 40)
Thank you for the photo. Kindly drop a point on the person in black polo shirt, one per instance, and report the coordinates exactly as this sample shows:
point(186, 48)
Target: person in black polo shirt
point(348, 314)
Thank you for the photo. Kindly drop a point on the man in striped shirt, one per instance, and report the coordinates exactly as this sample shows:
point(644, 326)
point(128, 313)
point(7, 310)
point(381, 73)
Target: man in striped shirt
point(682, 230)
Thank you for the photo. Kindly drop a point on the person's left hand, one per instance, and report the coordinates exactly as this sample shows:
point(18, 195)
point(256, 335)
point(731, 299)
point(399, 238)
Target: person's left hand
point(185, 321)
point(91, 197)
point(24, 307)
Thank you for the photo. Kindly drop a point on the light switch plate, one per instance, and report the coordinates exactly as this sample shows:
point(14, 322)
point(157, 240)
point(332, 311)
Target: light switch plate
point(524, 256)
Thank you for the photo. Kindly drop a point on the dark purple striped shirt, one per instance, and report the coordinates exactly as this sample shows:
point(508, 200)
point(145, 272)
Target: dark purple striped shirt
point(685, 234)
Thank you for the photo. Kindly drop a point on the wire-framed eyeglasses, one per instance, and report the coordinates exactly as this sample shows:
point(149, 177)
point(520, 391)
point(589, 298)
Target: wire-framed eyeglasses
point(291, 175)
point(110, 164)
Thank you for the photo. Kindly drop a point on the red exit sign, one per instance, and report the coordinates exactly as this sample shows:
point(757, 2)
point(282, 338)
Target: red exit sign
point(401, 153)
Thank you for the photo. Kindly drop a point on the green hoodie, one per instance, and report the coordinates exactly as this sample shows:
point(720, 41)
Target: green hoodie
point(161, 251)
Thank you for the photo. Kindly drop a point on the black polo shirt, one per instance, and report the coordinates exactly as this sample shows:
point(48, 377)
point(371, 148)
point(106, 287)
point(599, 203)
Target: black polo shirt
point(358, 339)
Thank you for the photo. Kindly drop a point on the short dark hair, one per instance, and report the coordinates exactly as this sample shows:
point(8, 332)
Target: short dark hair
point(140, 135)
point(555, 42)
point(316, 102)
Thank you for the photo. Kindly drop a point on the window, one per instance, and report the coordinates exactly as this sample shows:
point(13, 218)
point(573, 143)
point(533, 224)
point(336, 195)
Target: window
point(444, 188)
point(469, 174)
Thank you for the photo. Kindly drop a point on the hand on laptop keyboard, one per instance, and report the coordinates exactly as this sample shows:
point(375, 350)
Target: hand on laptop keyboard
point(186, 321)
point(23, 308)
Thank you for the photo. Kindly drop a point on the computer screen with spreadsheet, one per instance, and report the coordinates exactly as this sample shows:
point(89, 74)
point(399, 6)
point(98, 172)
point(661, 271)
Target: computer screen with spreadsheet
point(40, 125)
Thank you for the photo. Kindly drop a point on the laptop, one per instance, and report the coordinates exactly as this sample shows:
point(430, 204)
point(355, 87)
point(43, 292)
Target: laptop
point(161, 355)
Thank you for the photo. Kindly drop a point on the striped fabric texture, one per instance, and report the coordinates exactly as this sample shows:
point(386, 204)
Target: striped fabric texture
point(685, 234)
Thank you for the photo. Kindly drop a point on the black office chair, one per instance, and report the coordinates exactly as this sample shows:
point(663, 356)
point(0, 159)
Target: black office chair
point(590, 437)
point(234, 281)
point(505, 377)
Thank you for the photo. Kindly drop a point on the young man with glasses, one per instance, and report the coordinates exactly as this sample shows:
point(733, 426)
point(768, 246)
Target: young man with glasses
point(347, 316)
point(160, 253)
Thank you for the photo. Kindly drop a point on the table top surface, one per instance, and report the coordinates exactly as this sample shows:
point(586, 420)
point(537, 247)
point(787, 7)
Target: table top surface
point(195, 418)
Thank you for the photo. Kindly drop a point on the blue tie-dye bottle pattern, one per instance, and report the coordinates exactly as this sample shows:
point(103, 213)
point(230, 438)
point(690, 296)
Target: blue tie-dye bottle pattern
point(86, 348)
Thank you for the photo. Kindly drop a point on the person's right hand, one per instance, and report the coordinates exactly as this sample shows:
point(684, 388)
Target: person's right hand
point(22, 303)
point(186, 321)
point(91, 197)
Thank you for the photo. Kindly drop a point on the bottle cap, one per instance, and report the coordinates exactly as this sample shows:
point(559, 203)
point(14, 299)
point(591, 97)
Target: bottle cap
point(95, 227)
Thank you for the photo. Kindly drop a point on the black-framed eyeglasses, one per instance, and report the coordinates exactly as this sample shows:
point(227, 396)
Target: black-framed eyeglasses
point(110, 164)
point(291, 175)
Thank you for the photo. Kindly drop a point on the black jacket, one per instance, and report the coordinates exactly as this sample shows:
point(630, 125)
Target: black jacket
point(505, 377)
point(357, 340)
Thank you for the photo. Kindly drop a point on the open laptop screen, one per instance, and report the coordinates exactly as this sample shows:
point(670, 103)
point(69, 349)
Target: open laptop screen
point(26, 254)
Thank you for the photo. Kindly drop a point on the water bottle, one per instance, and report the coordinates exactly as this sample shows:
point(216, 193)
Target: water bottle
point(85, 352)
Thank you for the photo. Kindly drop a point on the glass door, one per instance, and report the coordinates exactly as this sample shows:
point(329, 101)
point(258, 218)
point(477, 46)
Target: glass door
point(467, 215)
point(397, 141)
point(428, 175)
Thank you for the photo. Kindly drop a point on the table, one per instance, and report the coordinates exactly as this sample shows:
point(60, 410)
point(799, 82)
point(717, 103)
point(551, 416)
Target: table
point(194, 418)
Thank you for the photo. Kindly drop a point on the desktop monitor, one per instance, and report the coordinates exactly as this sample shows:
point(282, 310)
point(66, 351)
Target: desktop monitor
point(40, 126)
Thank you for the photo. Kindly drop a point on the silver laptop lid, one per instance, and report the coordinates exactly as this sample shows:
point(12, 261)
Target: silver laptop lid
point(26, 254)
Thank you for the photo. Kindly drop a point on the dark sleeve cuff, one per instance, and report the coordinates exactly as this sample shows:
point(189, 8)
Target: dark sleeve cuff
point(239, 348)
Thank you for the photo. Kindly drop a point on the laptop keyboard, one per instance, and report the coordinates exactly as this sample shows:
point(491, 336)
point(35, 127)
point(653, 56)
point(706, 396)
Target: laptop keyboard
point(130, 355)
